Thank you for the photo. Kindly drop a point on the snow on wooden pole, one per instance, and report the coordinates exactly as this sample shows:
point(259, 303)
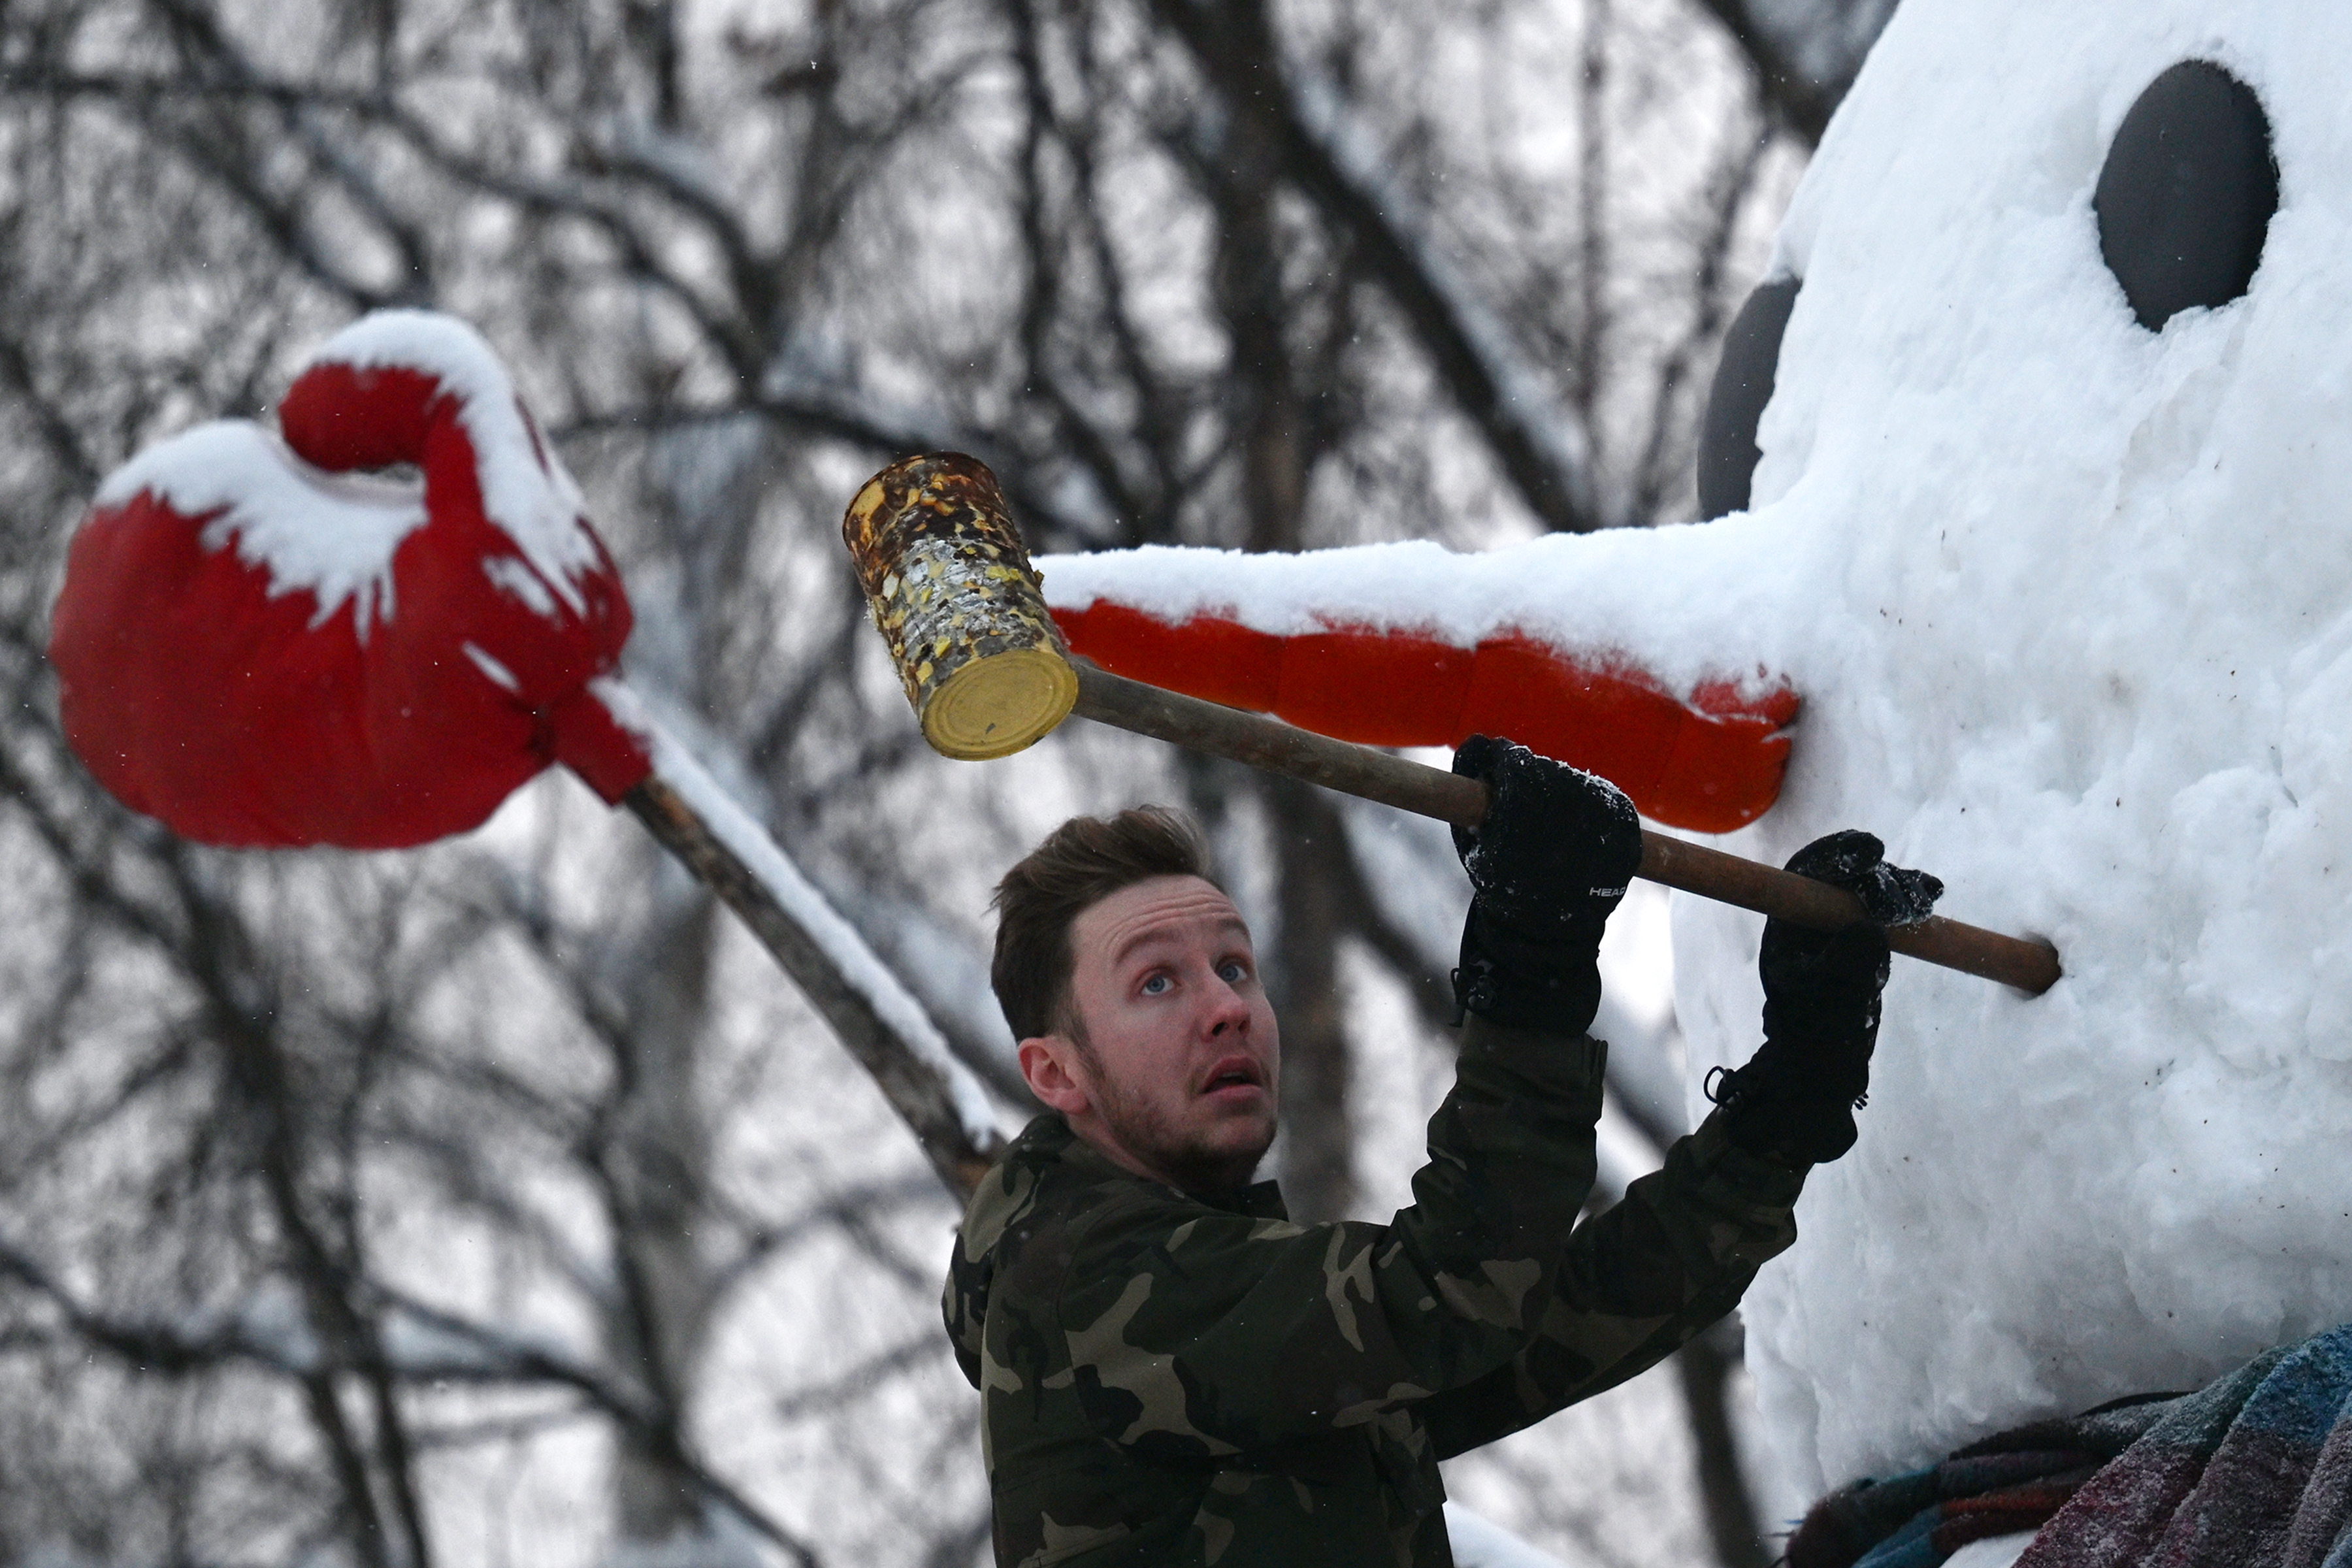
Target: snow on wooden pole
point(874, 1015)
point(898, 514)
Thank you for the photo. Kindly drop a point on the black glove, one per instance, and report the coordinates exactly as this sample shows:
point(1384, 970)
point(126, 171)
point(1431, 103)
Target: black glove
point(1795, 1099)
point(1549, 863)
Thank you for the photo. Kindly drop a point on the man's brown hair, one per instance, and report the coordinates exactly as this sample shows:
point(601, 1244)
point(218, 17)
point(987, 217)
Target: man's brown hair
point(1081, 863)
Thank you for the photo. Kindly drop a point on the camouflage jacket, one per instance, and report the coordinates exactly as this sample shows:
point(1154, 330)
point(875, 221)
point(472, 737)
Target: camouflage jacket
point(1165, 1380)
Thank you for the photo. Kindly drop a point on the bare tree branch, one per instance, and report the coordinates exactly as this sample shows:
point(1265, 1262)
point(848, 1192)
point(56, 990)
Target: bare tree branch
point(1546, 453)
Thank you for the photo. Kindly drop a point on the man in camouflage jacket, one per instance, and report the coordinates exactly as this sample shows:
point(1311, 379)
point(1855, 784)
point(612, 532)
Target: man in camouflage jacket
point(1174, 1372)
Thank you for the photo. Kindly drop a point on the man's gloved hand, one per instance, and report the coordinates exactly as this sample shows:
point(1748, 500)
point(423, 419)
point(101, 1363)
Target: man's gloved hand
point(1549, 863)
point(1795, 1099)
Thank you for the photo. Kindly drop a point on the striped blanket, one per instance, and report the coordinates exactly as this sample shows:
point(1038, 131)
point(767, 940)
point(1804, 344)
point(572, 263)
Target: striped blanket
point(2254, 1470)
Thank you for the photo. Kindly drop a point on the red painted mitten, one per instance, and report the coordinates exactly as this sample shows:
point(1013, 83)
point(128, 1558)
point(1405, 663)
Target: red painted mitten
point(261, 645)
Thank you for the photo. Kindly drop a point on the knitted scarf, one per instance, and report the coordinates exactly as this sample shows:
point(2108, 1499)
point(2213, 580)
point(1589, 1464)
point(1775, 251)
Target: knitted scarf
point(2254, 1470)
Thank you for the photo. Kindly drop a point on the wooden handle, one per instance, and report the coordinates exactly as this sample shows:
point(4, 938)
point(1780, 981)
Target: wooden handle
point(909, 1075)
point(2031, 966)
point(1269, 744)
point(1276, 747)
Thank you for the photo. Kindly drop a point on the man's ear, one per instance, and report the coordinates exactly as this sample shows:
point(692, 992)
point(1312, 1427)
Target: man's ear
point(1049, 1064)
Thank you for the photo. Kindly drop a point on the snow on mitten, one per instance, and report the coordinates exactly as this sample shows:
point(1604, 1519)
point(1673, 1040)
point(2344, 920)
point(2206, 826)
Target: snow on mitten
point(1549, 863)
point(266, 641)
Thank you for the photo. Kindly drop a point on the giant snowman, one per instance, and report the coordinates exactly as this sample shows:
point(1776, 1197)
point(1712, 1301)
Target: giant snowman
point(2058, 561)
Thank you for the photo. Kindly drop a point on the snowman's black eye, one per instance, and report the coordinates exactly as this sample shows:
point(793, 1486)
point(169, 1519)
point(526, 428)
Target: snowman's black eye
point(1735, 403)
point(2188, 192)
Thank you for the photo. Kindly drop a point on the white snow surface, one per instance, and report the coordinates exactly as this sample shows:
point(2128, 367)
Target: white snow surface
point(332, 534)
point(1480, 1543)
point(526, 490)
point(1651, 590)
point(843, 947)
point(2070, 607)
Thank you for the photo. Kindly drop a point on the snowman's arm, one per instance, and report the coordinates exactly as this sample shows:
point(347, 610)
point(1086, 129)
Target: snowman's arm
point(1343, 643)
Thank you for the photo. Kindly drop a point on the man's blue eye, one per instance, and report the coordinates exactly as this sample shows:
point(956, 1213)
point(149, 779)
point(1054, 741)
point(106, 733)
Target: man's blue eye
point(1155, 985)
point(1234, 971)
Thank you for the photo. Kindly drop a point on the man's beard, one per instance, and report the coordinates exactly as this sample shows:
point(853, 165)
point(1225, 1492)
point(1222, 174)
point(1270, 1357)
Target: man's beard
point(1194, 1166)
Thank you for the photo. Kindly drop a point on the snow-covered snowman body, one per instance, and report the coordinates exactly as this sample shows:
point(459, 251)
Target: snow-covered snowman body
point(2068, 602)
point(2080, 638)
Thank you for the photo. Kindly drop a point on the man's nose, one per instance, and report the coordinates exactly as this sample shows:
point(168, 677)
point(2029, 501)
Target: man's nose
point(1228, 1008)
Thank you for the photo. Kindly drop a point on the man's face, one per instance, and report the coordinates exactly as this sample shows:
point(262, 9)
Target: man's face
point(1175, 1077)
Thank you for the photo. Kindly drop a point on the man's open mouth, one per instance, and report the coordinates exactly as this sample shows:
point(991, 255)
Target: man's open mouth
point(1233, 1072)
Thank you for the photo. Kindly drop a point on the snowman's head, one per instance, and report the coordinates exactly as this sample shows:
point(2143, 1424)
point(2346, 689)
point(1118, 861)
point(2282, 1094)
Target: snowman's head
point(2058, 449)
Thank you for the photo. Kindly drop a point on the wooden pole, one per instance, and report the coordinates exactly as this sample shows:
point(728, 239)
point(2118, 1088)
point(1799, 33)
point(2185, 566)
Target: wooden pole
point(1269, 744)
point(914, 1087)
